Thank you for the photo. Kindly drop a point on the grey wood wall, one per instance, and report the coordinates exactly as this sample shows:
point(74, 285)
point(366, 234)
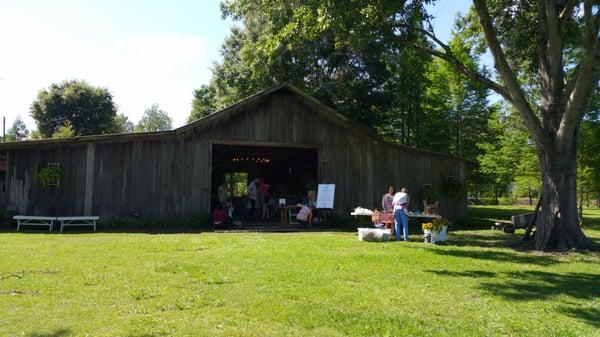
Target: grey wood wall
point(168, 174)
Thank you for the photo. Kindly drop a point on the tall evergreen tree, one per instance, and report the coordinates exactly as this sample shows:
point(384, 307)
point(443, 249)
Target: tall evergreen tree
point(17, 131)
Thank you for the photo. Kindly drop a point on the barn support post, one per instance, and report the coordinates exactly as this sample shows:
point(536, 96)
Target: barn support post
point(89, 178)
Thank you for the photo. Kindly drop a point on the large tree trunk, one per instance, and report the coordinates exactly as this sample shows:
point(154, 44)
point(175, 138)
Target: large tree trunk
point(558, 227)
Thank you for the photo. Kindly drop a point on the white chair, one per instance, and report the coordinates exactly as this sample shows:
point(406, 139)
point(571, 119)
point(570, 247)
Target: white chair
point(292, 219)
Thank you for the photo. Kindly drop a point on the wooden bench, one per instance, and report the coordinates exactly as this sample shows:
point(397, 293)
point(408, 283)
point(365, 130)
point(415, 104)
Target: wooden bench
point(31, 220)
point(77, 221)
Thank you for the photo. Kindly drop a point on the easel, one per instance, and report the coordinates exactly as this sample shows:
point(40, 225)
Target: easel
point(325, 197)
point(324, 211)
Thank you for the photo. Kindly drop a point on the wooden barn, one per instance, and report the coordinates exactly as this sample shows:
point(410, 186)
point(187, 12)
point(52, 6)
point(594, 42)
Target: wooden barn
point(281, 134)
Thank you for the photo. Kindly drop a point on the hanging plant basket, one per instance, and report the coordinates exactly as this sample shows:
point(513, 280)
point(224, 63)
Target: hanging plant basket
point(50, 175)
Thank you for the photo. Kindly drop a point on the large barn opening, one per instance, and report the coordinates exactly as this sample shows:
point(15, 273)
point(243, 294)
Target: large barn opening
point(290, 172)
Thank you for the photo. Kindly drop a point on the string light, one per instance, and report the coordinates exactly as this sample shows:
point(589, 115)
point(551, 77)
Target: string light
point(254, 159)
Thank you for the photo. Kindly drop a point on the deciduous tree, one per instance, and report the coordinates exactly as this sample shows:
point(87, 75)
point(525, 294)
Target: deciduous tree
point(90, 110)
point(154, 119)
point(558, 42)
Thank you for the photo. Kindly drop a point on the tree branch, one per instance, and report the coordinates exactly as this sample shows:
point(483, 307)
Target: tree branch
point(554, 44)
point(461, 68)
point(449, 57)
point(583, 83)
point(566, 13)
point(514, 88)
point(551, 63)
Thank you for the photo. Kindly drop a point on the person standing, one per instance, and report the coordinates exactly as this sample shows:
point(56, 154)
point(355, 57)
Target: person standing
point(253, 198)
point(223, 194)
point(263, 194)
point(387, 200)
point(400, 202)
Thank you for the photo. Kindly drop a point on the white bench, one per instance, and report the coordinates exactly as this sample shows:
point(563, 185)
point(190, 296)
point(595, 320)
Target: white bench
point(30, 220)
point(77, 221)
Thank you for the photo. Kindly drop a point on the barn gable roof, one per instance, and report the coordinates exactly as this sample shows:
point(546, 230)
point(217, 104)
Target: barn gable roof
point(238, 107)
point(317, 106)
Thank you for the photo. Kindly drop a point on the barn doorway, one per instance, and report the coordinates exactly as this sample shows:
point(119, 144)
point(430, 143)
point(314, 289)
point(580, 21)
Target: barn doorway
point(290, 172)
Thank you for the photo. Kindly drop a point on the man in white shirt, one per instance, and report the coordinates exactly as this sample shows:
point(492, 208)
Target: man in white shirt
point(400, 202)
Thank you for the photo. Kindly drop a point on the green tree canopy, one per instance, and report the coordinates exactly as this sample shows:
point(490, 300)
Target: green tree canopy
point(154, 119)
point(90, 110)
point(64, 131)
point(456, 108)
point(122, 124)
point(204, 103)
point(345, 53)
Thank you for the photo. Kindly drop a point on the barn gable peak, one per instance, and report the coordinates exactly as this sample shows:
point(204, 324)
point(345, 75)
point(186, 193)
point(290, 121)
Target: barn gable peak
point(284, 87)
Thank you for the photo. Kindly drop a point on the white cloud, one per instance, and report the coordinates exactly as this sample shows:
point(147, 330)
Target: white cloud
point(163, 68)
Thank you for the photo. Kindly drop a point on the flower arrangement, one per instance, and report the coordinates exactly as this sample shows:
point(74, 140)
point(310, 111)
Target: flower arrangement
point(435, 231)
point(435, 225)
point(439, 223)
point(427, 226)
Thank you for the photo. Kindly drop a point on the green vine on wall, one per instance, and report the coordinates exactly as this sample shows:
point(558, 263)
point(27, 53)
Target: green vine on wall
point(49, 175)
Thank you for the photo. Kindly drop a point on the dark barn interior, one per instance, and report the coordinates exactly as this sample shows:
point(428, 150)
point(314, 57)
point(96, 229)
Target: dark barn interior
point(290, 173)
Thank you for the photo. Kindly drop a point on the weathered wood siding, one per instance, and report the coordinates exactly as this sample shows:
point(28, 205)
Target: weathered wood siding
point(161, 177)
point(168, 174)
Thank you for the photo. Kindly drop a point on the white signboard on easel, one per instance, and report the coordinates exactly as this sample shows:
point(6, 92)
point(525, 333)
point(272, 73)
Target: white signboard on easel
point(325, 195)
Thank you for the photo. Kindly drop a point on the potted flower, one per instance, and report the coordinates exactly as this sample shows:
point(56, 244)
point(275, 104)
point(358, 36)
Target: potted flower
point(435, 231)
point(441, 229)
point(431, 197)
point(427, 232)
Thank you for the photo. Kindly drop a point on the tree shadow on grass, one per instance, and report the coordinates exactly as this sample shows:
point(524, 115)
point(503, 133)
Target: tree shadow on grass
point(539, 285)
point(466, 273)
point(485, 239)
point(499, 256)
point(55, 333)
point(589, 314)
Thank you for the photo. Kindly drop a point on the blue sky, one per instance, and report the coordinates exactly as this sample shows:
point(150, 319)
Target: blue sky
point(144, 52)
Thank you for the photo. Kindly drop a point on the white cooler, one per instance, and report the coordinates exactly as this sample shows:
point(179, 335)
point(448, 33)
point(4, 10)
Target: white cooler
point(374, 234)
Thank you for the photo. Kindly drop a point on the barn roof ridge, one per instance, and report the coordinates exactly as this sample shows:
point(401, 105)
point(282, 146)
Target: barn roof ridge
point(331, 113)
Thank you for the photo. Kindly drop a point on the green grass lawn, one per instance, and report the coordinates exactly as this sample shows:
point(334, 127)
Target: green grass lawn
point(298, 284)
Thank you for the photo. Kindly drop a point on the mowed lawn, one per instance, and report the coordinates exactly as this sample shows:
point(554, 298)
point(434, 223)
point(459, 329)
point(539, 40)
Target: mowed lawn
point(297, 284)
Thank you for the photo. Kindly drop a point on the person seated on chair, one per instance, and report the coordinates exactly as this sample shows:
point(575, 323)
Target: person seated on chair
point(304, 216)
point(219, 217)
